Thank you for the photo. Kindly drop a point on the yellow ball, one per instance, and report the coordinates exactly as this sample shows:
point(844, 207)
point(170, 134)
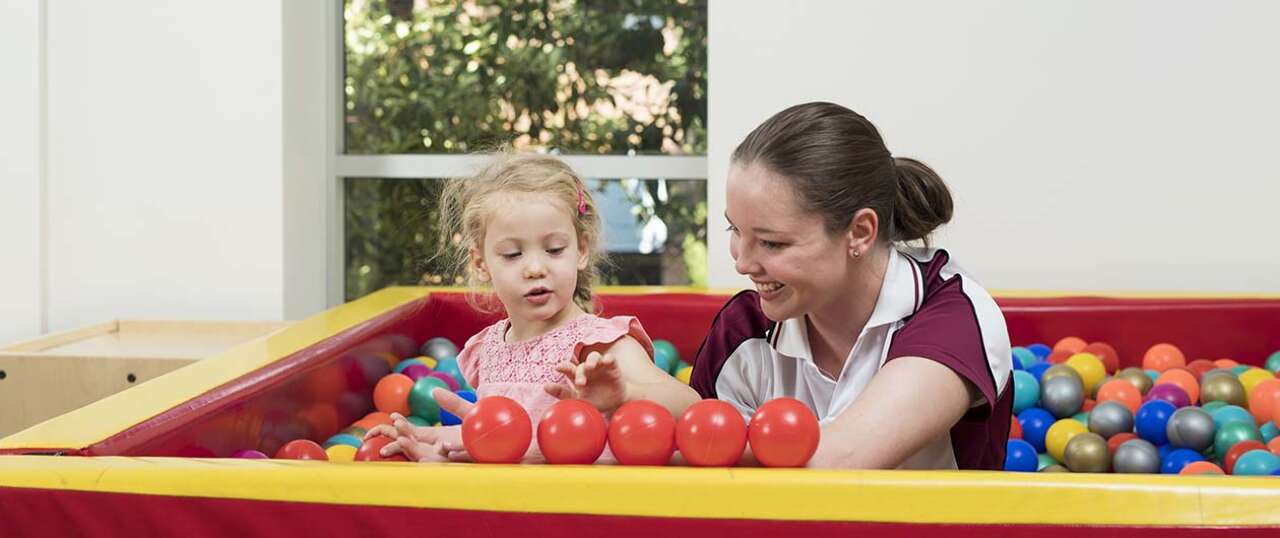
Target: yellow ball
point(341, 453)
point(1061, 433)
point(684, 373)
point(1252, 377)
point(430, 362)
point(1090, 368)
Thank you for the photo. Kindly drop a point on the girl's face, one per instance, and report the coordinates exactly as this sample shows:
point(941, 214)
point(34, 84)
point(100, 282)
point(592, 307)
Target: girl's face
point(531, 256)
point(796, 266)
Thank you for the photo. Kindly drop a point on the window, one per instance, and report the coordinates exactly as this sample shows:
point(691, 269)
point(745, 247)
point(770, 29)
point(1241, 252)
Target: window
point(617, 88)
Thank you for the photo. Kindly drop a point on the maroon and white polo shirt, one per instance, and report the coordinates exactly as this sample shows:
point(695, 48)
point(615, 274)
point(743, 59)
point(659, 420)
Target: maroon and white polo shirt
point(928, 307)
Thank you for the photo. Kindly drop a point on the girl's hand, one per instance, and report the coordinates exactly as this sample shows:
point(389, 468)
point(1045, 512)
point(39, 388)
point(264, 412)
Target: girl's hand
point(400, 427)
point(598, 380)
point(429, 450)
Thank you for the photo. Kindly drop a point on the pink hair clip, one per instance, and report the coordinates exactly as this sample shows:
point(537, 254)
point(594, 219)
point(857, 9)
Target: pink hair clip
point(582, 200)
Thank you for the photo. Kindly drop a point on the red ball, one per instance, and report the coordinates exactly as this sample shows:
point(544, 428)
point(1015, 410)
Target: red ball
point(711, 433)
point(1233, 454)
point(301, 449)
point(572, 432)
point(497, 430)
point(370, 450)
point(783, 433)
point(642, 433)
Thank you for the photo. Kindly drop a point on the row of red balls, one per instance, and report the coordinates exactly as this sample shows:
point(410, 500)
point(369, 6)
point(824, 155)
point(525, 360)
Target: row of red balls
point(711, 433)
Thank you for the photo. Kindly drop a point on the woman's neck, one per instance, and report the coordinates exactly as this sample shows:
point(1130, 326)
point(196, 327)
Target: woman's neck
point(524, 328)
point(835, 326)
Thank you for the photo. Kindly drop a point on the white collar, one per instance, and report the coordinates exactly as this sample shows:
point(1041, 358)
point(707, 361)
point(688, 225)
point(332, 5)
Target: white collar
point(900, 296)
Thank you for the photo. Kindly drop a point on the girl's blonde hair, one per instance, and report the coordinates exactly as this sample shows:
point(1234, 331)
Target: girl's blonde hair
point(467, 205)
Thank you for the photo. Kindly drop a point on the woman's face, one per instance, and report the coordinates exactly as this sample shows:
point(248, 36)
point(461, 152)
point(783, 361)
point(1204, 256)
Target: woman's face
point(796, 266)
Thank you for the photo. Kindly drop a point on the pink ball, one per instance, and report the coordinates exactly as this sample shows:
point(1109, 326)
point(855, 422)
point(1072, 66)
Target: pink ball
point(416, 371)
point(1170, 393)
point(448, 379)
point(249, 454)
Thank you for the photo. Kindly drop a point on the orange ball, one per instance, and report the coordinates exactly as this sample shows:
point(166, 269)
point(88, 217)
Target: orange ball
point(1264, 399)
point(1088, 405)
point(1225, 364)
point(391, 395)
point(1104, 351)
point(1119, 439)
point(1059, 356)
point(1199, 367)
point(1201, 467)
point(1122, 391)
point(1184, 380)
point(373, 419)
point(1070, 344)
point(1274, 446)
point(1162, 357)
point(1015, 429)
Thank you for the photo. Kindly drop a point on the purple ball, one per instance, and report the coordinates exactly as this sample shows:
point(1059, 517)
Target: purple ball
point(416, 371)
point(249, 454)
point(448, 379)
point(1170, 393)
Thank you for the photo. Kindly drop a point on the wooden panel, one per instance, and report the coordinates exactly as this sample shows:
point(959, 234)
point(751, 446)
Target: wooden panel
point(56, 373)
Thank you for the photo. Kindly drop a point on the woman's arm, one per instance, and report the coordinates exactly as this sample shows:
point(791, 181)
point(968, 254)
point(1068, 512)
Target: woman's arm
point(910, 402)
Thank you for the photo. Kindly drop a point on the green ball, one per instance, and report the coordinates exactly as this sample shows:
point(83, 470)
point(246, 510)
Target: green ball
point(665, 356)
point(421, 403)
point(1083, 417)
point(1044, 460)
point(1240, 369)
point(1273, 362)
point(1231, 433)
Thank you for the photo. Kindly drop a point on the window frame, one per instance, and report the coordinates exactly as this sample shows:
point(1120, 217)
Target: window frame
point(339, 165)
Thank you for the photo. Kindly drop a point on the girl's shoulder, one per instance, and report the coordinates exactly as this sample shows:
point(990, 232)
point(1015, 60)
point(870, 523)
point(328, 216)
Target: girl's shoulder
point(595, 330)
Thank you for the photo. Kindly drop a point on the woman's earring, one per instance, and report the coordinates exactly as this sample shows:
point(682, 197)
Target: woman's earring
point(856, 253)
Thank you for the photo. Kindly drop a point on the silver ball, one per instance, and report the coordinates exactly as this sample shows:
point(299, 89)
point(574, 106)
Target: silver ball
point(1062, 396)
point(1136, 456)
point(439, 348)
point(1110, 418)
point(1191, 427)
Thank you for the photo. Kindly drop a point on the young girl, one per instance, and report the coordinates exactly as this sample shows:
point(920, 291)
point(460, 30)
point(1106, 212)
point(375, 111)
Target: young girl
point(529, 230)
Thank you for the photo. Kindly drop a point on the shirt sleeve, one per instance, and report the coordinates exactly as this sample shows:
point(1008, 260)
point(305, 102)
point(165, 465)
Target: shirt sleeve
point(728, 365)
point(964, 331)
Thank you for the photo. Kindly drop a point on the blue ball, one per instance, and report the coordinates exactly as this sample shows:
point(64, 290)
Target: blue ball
point(400, 366)
point(1152, 419)
point(1164, 450)
point(450, 419)
point(1038, 369)
point(1256, 463)
point(1154, 375)
point(1230, 413)
point(343, 439)
point(1175, 460)
point(1020, 456)
point(1017, 365)
point(1269, 431)
point(1040, 350)
point(450, 366)
point(1035, 423)
point(1026, 391)
point(1025, 357)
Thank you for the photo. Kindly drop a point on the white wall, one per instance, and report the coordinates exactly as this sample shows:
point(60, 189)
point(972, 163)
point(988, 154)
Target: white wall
point(1090, 145)
point(20, 313)
point(164, 160)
